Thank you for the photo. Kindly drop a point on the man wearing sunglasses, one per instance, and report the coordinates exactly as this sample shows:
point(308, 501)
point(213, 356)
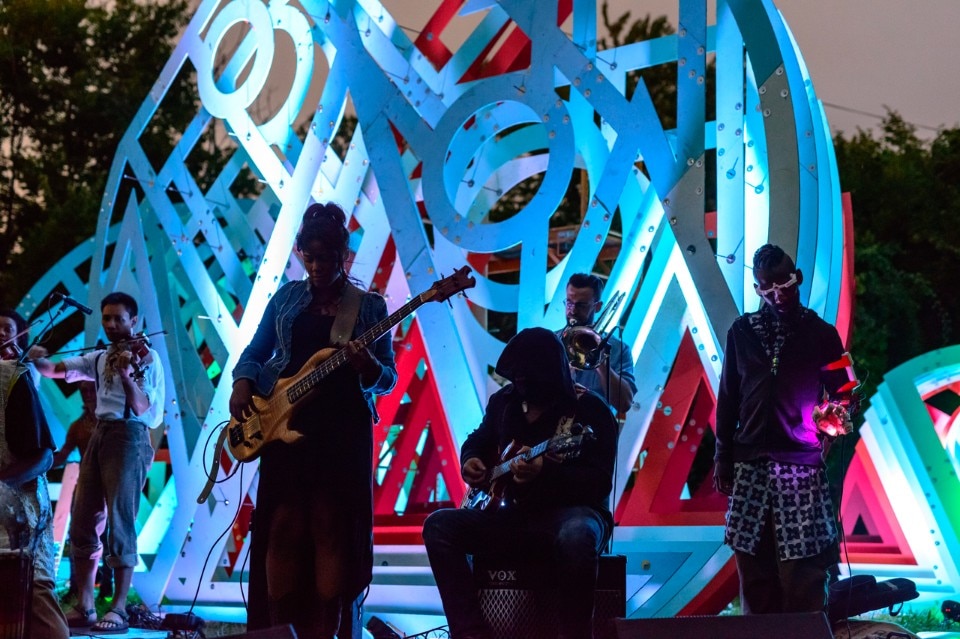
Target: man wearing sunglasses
point(781, 400)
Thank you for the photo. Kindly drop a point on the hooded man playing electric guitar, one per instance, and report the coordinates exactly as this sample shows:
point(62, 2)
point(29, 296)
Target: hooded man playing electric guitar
point(556, 501)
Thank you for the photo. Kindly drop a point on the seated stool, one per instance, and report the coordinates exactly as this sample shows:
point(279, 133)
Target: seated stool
point(518, 596)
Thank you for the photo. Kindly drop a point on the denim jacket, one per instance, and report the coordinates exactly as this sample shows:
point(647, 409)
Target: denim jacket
point(269, 350)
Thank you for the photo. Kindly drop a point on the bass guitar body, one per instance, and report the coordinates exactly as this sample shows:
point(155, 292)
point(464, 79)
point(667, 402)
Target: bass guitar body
point(271, 416)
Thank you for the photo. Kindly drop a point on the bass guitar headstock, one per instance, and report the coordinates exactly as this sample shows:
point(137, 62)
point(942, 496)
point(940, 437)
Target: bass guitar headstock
point(449, 286)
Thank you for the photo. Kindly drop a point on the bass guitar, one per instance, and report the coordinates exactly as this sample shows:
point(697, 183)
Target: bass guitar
point(271, 415)
point(493, 493)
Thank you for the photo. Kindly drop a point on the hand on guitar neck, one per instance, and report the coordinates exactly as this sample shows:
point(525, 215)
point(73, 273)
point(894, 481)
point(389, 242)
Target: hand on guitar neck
point(489, 486)
point(363, 361)
point(476, 474)
point(524, 470)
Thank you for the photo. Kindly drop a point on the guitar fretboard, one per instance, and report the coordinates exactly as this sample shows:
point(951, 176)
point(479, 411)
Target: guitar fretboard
point(502, 469)
point(326, 367)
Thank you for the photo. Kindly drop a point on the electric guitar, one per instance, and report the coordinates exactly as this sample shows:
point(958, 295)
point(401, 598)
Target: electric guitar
point(271, 415)
point(493, 494)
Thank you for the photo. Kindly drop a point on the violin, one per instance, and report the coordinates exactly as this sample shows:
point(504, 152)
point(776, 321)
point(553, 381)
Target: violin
point(139, 345)
point(10, 350)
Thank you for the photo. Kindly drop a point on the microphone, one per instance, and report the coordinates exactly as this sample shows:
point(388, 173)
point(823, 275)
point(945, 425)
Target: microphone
point(69, 301)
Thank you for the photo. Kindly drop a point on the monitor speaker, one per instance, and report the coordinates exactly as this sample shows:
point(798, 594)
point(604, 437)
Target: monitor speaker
point(519, 599)
point(805, 625)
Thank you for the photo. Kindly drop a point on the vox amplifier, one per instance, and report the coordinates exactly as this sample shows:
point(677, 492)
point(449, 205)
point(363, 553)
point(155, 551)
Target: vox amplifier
point(519, 600)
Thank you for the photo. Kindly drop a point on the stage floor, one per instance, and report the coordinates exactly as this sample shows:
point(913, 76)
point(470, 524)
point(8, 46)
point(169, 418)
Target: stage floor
point(132, 633)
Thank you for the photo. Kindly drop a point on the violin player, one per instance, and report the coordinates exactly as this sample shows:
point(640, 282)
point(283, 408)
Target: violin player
point(26, 453)
point(14, 340)
point(13, 334)
point(129, 381)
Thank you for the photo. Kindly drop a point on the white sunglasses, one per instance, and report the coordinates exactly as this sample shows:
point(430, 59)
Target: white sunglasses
point(776, 288)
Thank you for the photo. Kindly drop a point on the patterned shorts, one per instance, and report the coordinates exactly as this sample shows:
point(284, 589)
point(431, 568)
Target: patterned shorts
point(802, 510)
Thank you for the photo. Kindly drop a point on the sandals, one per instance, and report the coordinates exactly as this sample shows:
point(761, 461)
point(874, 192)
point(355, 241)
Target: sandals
point(110, 627)
point(77, 617)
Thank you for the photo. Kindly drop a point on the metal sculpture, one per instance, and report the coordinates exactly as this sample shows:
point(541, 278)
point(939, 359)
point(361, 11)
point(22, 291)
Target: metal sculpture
point(442, 137)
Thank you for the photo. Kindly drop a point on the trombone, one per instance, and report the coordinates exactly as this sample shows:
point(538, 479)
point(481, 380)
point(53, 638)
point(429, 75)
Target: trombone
point(585, 345)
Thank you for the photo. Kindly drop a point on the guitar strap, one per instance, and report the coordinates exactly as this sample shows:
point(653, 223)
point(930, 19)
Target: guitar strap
point(564, 426)
point(346, 318)
point(340, 334)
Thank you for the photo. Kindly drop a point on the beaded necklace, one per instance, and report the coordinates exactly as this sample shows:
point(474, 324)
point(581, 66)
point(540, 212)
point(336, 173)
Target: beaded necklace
point(773, 331)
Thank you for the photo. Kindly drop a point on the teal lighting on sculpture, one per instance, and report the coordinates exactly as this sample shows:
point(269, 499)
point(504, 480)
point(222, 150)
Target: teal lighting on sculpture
point(441, 139)
point(910, 436)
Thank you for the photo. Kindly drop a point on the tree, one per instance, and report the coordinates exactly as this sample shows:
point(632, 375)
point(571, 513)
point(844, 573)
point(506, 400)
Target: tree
point(906, 199)
point(71, 78)
point(661, 80)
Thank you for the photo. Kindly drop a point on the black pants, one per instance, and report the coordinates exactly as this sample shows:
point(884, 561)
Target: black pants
point(769, 585)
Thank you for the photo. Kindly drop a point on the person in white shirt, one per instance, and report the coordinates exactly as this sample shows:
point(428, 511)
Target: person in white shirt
point(130, 395)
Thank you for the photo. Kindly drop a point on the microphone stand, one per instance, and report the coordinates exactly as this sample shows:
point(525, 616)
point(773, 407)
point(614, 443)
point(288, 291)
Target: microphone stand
point(41, 333)
point(608, 349)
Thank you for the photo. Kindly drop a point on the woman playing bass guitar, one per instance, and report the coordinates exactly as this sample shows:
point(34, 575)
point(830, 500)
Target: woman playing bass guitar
point(312, 553)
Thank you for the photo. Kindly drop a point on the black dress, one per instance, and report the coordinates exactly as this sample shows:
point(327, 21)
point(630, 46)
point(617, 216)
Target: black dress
point(325, 478)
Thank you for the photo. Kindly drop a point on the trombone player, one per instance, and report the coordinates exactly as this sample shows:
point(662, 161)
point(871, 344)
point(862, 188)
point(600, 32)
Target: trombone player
point(600, 363)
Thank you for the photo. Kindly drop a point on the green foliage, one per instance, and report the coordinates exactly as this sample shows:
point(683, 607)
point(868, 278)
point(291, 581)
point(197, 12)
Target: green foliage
point(661, 80)
point(906, 196)
point(72, 76)
point(916, 619)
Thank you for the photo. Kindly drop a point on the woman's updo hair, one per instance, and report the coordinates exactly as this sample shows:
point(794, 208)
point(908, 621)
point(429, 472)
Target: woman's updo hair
point(327, 224)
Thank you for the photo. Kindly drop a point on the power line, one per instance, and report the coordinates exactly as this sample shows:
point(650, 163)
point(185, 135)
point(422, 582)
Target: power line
point(878, 116)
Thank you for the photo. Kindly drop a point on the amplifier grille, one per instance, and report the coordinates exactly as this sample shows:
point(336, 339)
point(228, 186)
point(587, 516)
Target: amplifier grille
point(517, 601)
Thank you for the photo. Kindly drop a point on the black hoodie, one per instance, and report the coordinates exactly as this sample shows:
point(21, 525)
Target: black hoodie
point(763, 414)
point(536, 362)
